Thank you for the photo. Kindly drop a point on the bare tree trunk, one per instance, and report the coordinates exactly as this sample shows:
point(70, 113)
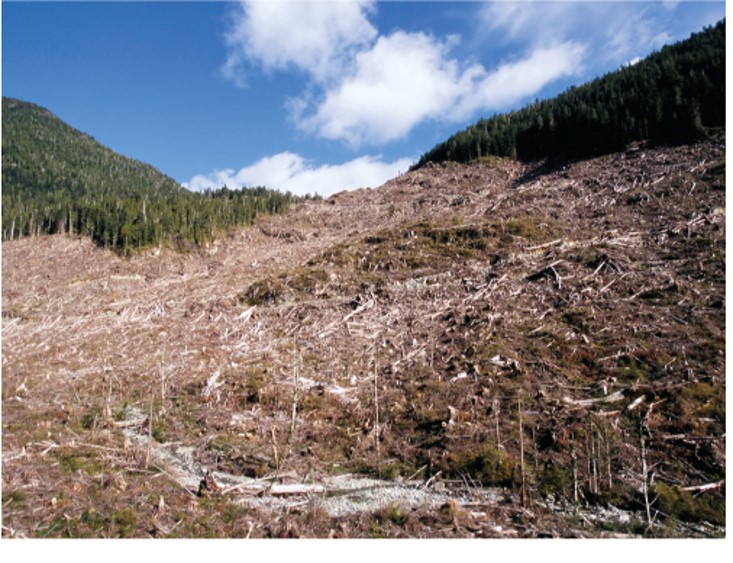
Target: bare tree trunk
point(150, 432)
point(594, 452)
point(294, 410)
point(521, 452)
point(275, 455)
point(608, 459)
point(534, 450)
point(574, 462)
point(162, 381)
point(107, 410)
point(376, 413)
point(588, 461)
point(644, 470)
point(495, 406)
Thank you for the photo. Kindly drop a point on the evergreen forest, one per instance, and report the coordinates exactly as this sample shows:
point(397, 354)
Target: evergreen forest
point(56, 179)
point(675, 95)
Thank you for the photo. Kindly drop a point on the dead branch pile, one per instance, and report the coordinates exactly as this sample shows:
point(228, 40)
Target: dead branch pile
point(389, 330)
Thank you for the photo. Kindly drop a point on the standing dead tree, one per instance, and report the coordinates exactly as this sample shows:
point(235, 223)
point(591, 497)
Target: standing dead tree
point(376, 410)
point(574, 462)
point(521, 451)
point(643, 429)
point(294, 409)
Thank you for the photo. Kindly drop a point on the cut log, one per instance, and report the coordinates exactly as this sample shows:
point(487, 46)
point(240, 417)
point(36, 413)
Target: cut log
point(290, 489)
point(612, 398)
point(705, 487)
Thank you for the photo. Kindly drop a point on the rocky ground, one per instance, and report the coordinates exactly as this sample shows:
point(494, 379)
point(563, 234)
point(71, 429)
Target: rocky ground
point(490, 350)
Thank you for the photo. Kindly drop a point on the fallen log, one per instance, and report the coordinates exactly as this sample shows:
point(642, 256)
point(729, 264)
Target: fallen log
point(612, 398)
point(288, 489)
point(545, 245)
point(705, 487)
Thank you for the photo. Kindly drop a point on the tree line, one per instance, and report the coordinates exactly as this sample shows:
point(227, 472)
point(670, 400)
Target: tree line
point(673, 96)
point(56, 179)
point(137, 221)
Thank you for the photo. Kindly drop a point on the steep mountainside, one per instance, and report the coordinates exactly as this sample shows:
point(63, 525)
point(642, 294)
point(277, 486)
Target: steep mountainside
point(504, 349)
point(57, 179)
point(41, 153)
point(675, 95)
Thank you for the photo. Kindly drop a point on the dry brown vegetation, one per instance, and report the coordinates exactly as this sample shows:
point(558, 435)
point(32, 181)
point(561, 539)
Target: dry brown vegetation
point(517, 350)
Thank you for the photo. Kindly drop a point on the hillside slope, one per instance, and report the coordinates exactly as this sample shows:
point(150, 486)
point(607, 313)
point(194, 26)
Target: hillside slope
point(57, 179)
point(499, 342)
point(42, 153)
point(675, 95)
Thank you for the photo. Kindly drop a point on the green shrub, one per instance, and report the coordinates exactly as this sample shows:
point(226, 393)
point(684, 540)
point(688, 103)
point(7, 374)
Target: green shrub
point(263, 292)
point(72, 462)
point(395, 515)
point(555, 481)
point(90, 418)
point(687, 507)
point(125, 521)
point(306, 280)
point(490, 467)
point(160, 431)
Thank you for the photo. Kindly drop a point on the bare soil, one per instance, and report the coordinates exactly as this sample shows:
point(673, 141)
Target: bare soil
point(487, 350)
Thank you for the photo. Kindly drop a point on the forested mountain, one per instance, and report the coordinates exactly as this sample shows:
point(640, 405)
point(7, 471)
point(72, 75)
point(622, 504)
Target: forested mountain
point(675, 95)
point(56, 179)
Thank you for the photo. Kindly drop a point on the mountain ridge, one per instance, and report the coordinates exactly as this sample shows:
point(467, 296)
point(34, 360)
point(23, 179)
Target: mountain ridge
point(674, 95)
point(59, 179)
point(18, 115)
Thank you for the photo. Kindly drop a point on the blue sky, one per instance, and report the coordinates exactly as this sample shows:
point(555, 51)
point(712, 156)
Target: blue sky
point(312, 97)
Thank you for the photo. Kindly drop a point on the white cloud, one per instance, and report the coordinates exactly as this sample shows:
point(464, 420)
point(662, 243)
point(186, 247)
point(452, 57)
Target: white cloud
point(403, 79)
point(515, 19)
point(372, 89)
point(631, 35)
point(291, 172)
point(315, 37)
point(407, 78)
point(515, 81)
point(614, 31)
